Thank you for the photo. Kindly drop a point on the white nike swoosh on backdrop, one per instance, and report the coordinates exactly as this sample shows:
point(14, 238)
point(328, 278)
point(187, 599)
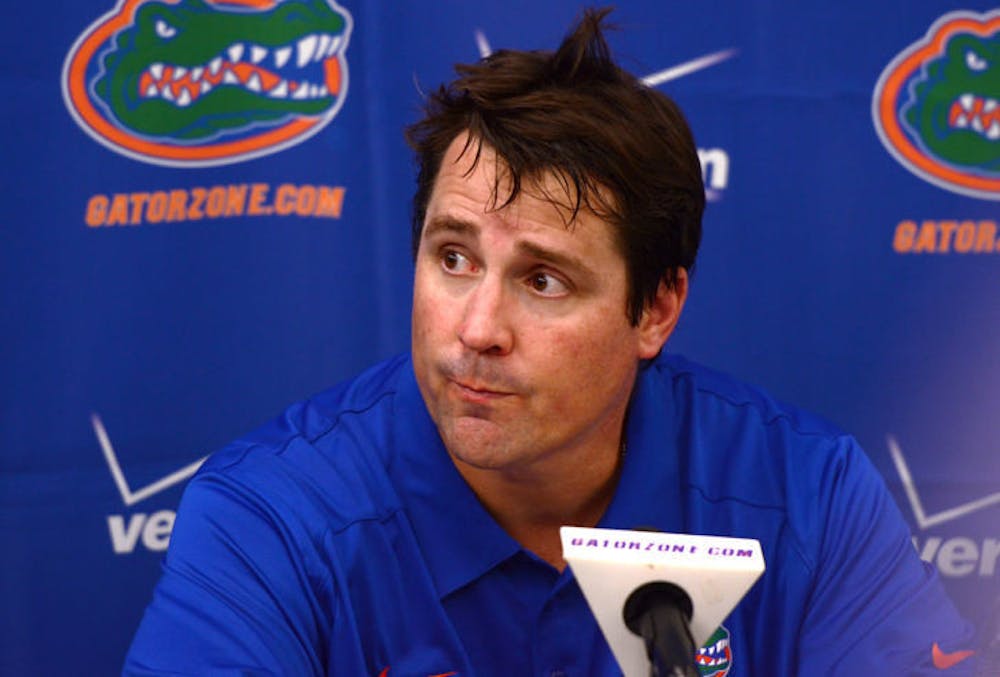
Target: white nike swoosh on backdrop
point(688, 67)
point(653, 79)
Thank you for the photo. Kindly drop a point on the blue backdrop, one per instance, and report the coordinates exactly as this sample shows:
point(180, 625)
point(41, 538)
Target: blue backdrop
point(205, 217)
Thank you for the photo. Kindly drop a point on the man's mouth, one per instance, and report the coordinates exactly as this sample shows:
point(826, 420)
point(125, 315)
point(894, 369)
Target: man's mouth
point(477, 392)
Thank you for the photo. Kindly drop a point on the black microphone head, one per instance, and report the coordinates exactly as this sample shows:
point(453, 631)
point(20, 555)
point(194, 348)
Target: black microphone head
point(653, 595)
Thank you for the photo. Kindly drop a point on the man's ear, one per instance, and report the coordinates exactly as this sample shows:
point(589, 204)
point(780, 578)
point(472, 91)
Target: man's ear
point(660, 317)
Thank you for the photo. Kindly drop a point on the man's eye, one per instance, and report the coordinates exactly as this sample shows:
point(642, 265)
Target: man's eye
point(455, 262)
point(547, 285)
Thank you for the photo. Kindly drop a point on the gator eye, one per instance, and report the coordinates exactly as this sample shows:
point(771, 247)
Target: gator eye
point(165, 30)
point(974, 61)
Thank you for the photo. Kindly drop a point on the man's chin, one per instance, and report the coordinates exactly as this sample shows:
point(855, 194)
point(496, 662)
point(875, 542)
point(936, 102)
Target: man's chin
point(476, 442)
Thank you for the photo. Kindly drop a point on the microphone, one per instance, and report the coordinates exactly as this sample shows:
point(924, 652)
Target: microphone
point(660, 613)
point(658, 596)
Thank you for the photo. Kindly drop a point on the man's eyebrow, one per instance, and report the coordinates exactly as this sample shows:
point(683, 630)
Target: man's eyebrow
point(556, 258)
point(449, 224)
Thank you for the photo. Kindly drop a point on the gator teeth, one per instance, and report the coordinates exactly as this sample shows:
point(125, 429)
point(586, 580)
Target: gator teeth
point(253, 83)
point(179, 72)
point(990, 105)
point(185, 98)
point(156, 70)
point(334, 46)
point(206, 87)
point(214, 65)
point(167, 93)
point(257, 53)
point(966, 100)
point(324, 44)
point(961, 122)
point(229, 78)
point(306, 47)
point(235, 52)
point(994, 131)
point(152, 90)
point(977, 124)
point(196, 73)
point(281, 56)
point(280, 91)
point(715, 651)
point(302, 92)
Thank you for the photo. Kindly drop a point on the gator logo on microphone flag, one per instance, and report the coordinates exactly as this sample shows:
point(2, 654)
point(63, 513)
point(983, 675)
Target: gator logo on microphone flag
point(936, 106)
point(716, 657)
point(189, 83)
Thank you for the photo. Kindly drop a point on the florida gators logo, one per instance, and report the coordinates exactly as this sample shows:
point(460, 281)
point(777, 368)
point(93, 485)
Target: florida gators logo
point(195, 83)
point(715, 658)
point(936, 107)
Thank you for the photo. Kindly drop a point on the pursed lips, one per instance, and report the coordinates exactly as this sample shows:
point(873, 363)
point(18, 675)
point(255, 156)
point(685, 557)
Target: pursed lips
point(475, 392)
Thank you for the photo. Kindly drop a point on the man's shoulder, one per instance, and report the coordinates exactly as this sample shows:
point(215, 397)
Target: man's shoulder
point(774, 465)
point(332, 448)
point(744, 445)
point(314, 418)
point(709, 392)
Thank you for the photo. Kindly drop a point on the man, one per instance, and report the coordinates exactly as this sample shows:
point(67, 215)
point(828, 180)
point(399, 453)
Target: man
point(406, 522)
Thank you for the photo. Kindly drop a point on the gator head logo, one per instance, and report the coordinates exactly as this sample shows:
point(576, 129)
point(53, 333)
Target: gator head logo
point(715, 658)
point(935, 106)
point(190, 83)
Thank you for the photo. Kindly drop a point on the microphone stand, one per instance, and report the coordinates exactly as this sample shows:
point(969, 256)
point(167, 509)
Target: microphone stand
point(660, 613)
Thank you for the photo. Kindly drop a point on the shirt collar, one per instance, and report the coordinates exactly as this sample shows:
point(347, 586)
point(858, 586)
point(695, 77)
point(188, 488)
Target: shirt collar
point(459, 540)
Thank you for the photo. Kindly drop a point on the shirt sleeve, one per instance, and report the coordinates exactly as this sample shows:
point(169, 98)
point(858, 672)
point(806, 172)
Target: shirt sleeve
point(875, 607)
point(236, 595)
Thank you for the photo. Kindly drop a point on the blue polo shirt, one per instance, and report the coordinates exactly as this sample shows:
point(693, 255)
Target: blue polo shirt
point(341, 540)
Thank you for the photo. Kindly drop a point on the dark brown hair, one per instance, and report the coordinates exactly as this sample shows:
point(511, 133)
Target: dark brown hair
point(620, 148)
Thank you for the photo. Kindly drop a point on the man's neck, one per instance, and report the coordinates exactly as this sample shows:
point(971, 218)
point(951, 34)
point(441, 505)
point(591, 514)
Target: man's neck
point(532, 503)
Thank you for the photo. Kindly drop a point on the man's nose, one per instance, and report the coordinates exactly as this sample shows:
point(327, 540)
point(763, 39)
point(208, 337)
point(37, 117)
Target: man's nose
point(485, 325)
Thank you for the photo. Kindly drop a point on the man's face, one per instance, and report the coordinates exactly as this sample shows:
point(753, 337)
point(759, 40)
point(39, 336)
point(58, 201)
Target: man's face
point(521, 344)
